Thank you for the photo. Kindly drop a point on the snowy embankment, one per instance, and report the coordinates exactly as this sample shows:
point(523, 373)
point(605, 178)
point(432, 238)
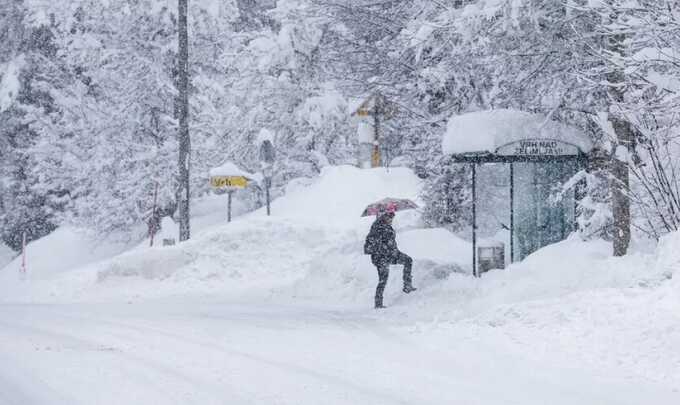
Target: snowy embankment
point(570, 304)
point(6, 255)
point(317, 220)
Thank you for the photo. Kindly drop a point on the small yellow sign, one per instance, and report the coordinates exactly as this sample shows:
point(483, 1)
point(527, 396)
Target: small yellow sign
point(228, 181)
point(375, 156)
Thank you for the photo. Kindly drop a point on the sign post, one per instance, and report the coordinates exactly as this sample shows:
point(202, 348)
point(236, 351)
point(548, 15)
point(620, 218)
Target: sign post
point(23, 254)
point(230, 178)
point(267, 158)
point(375, 108)
point(229, 194)
point(154, 221)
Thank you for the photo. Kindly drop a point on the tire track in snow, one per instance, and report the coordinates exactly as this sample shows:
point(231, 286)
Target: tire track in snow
point(59, 342)
point(145, 334)
point(18, 386)
point(281, 366)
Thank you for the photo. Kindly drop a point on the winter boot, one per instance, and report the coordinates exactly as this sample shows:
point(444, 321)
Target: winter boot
point(409, 289)
point(379, 302)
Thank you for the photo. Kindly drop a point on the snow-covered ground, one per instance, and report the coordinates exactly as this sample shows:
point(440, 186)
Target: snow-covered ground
point(277, 310)
point(6, 255)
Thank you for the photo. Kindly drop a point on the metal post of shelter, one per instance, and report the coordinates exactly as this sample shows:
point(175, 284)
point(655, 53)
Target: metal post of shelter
point(474, 220)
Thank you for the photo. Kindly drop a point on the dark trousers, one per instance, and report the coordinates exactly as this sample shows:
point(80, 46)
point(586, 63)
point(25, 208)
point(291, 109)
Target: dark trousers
point(382, 263)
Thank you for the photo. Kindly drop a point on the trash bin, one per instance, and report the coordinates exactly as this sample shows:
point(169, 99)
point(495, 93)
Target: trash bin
point(490, 256)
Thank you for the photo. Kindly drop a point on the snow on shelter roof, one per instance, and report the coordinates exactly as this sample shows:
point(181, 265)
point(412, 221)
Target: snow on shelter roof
point(486, 131)
point(230, 169)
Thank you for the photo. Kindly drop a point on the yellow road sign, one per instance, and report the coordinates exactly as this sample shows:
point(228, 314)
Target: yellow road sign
point(228, 181)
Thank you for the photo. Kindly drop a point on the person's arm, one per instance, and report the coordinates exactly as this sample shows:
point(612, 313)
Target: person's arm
point(391, 240)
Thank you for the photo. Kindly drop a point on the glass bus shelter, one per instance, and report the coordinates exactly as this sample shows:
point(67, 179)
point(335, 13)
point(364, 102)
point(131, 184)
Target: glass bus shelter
point(542, 154)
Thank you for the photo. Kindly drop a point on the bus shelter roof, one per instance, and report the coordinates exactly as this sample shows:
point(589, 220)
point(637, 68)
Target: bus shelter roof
point(477, 136)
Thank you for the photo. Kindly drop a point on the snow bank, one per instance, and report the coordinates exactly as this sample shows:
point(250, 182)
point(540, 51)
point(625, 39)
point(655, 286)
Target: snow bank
point(65, 249)
point(314, 217)
point(6, 255)
point(668, 255)
point(344, 275)
point(241, 257)
point(486, 131)
point(573, 302)
point(313, 240)
point(570, 301)
point(438, 245)
point(341, 193)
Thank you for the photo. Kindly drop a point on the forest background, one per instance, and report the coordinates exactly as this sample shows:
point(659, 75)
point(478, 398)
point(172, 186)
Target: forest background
point(89, 114)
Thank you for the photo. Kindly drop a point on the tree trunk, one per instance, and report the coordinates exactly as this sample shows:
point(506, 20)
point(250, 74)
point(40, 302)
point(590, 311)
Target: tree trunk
point(624, 142)
point(620, 197)
point(184, 139)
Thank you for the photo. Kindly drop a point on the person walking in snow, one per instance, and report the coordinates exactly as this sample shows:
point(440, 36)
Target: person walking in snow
point(381, 244)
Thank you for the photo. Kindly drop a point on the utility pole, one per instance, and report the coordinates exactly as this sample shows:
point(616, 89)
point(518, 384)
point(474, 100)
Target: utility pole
point(375, 154)
point(375, 106)
point(184, 139)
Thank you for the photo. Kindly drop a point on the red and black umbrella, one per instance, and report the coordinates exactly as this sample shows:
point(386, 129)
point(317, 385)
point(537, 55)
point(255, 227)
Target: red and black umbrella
point(389, 205)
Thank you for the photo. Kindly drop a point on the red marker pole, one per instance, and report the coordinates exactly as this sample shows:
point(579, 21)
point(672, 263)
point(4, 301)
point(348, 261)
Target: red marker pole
point(23, 253)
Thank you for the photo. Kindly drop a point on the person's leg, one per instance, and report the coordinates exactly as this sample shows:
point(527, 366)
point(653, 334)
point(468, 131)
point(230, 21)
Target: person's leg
point(405, 260)
point(383, 274)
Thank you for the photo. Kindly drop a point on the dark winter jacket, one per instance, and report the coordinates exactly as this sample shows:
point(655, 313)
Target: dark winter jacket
point(381, 240)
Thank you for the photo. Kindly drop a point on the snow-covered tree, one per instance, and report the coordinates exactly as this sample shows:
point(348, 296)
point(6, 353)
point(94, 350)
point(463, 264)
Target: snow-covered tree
point(27, 73)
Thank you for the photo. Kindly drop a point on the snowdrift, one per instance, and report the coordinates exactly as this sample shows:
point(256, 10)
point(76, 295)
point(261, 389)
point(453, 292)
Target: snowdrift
point(311, 248)
point(63, 250)
point(6, 255)
point(340, 194)
point(315, 231)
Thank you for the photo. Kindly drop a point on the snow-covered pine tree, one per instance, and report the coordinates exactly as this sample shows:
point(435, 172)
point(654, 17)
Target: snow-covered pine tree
point(27, 73)
point(109, 139)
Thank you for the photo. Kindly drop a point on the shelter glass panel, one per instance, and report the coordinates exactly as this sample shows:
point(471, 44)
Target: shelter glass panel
point(542, 213)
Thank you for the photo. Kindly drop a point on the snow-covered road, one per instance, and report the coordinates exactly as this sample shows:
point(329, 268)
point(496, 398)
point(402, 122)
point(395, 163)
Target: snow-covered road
point(215, 352)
